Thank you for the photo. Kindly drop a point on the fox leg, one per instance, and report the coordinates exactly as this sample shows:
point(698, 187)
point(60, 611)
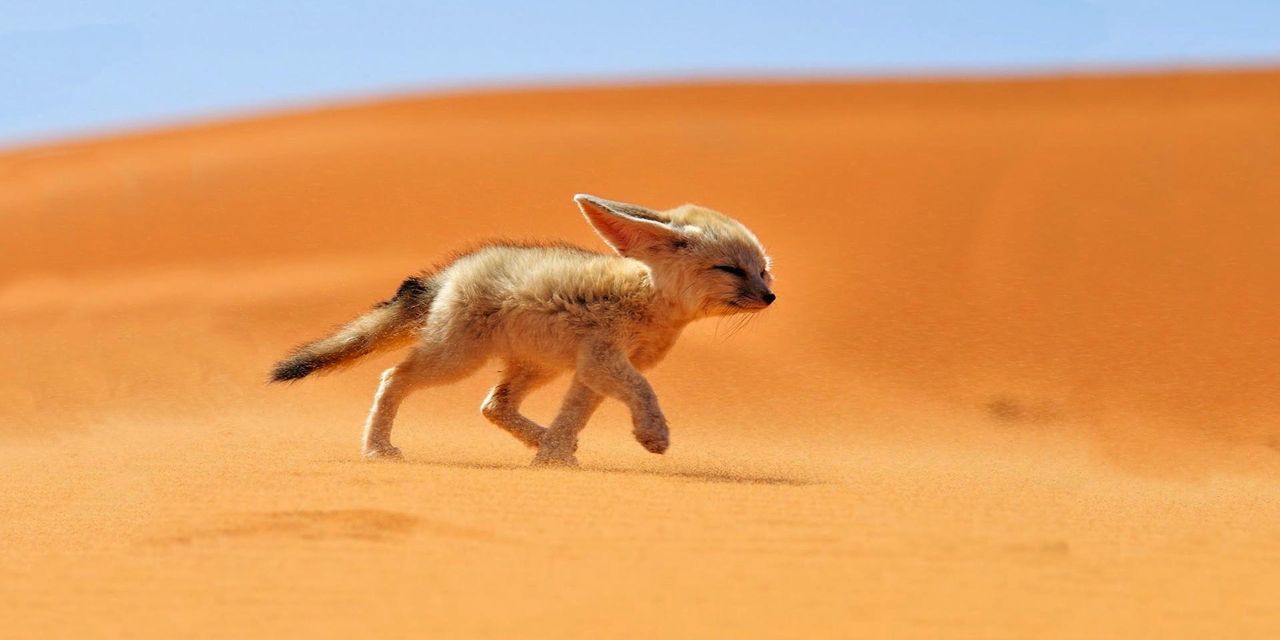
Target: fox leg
point(502, 405)
point(561, 439)
point(608, 371)
point(430, 364)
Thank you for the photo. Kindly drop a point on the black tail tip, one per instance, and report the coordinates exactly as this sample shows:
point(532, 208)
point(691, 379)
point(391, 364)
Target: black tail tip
point(292, 370)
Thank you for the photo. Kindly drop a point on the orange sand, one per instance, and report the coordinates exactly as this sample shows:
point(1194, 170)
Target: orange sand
point(1021, 380)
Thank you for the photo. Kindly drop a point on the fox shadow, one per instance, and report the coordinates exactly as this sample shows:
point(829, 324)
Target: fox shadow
point(693, 475)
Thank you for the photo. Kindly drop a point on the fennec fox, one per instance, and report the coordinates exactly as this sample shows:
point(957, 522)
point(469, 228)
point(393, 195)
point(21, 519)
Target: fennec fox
point(545, 309)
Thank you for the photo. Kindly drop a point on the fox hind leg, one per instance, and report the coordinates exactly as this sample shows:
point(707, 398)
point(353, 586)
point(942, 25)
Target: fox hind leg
point(428, 365)
point(502, 405)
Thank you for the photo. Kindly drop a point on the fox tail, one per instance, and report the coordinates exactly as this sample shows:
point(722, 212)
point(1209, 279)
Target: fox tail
point(388, 325)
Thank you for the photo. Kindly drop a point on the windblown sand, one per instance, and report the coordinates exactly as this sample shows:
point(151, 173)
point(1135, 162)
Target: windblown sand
point(1021, 381)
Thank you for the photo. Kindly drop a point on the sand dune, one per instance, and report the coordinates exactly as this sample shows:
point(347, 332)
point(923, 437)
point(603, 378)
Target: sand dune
point(1021, 380)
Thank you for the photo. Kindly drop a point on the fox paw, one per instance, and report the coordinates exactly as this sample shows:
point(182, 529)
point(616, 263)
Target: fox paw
point(549, 458)
point(653, 441)
point(384, 452)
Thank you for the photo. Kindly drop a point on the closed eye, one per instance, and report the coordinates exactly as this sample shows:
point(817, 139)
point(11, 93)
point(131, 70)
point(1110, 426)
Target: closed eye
point(730, 269)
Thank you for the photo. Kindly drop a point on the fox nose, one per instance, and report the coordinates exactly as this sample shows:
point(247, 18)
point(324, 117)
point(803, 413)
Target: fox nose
point(769, 297)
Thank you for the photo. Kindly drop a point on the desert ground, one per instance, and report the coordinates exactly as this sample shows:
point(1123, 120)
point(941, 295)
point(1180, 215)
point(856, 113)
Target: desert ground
point(1021, 380)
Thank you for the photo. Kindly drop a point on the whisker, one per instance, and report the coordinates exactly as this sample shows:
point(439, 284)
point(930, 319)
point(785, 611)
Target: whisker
point(733, 330)
point(742, 319)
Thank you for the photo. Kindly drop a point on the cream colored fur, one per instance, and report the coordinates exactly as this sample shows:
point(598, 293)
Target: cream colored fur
point(544, 310)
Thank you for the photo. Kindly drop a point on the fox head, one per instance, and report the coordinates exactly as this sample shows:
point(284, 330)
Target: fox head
point(701, 260)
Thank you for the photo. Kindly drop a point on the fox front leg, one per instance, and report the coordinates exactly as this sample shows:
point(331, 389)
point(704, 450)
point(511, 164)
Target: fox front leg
point(608, 371)
point(561, 440)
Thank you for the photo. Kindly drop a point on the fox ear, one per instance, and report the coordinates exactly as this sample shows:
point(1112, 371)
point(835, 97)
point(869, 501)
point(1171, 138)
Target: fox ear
point(625, 227)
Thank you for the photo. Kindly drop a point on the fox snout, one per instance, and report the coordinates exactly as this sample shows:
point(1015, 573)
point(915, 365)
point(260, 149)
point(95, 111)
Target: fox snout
point(757, 288)
point(756, 299)
point(766, 298)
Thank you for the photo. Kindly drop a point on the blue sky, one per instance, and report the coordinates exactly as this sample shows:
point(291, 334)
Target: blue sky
point(75, 67)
